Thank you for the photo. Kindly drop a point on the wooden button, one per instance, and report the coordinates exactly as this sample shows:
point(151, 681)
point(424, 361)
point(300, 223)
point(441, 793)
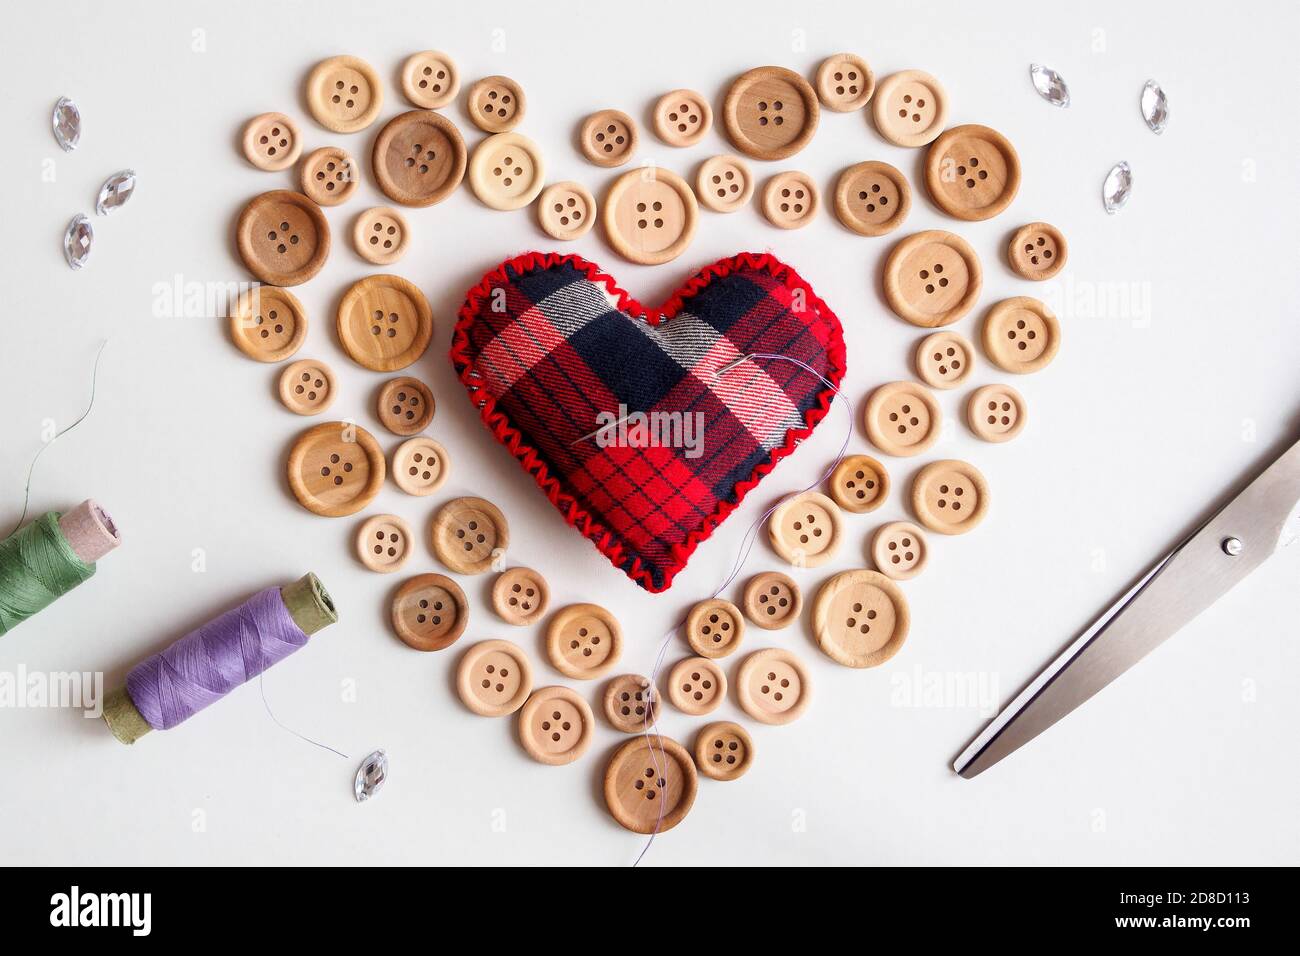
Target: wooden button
point(949, 496)
point(380, 235)
point(860, 618)
point(944, 359)
point(555, 726)
point(859, 484)
point(902, 419)
point(418, 158)
point(899, 550)
point(384, 543)
point(631, 705)
point(496, 104)
point(268, 324)
point(608, 138)
point(1021, 335)
point(910, 108)
point(773, 686)
point(335, 469)
point(772, 600)
point(344, 94)
point(1037, 251)
point(845, 82)
point(583, 641)
point(329, 176)
point(724, 183)
point(272, 141)
point(805, 530)
point(384, 323)
point(932, 278)
point(697, 686)
point(650, 784)
point(872, 198)
point(469, 534)
point(507, 171)
point(996, 413)
point(770, 113)
point(723, 750)
point(714, 628)
point(307, 387)
point(566, 211)
point(520, 596)
point(682, 117)
point(420, 466)
point(430, 79)
point(790, 200)
point(405, 405)
point(650, 215)
point(972, 172)
point(494, 678)
point(283, 237)
point(429, 612)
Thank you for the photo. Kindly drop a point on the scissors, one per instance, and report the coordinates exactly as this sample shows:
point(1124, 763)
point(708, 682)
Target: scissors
point(1261, 519)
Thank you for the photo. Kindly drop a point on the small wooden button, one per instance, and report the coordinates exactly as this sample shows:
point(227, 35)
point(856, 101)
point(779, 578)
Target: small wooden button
point(507, 171)
point(405, 405)
point(723, 750)
point(650, 215)
point(996, 413)
point(724, 183)
point(682, 117)
point(631, 704)
point(307, 387)
point(790, 200)
point(469, 534)
point(520, 596)
point(772, 600)
point(770, 113)
point(566, 211)
point(268, 324)
point(494, 678)
point(650, 784)
point(696, 686)
point(773, 686)
point(949, 496)
point(872, 198)
point(418, 158)
point(335, 469)
point(430, 79)
point(496, 104)
point(845, 82)
point(932, 278)
point(383, 543)
point(972, 172)
point(1021, 335)
point(859, 484)
point(860, 618)
point(944, 359)
point(583, 641)
point(329, 176)
point(420, 466)
point(429, 612)
point(1038, 251)
point(344, 94)
point(272, 141)
point(380, 235)
point(902, 419)
point(282, 237)
point(384, 323)
point(555, 726)
point(805, 530)
point(899, 550)
point(608, 138)
point(714, 628)
point(910, 108)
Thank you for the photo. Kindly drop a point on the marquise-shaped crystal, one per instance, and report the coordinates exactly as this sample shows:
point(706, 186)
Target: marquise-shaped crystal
point(371, 776)
point(1115, 190)
point(1155, 106)
point(77, 241)
point(1050, 85)
point(117, 189)
point(67, 124)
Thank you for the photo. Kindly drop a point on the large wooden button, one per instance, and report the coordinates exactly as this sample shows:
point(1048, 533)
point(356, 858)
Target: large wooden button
point(608, 138)
point(791, 200)
point(944, 359)
point(344, 94)
point(405, 405)
point(566, 211)
point(430, 79)
point(496, 104)
point(631, 705)
point(384, 543)
point(520, 596)
point(724, 183)
point(507, 171)
point(1021, 335)
point(420, 466)
point(772, 600)
point(714, 628)
point(429, 612)
point(1037, 251)
point(555, 726)
point(773, 686)
point(380, 235)
point(860, 618)
point(845, 82)
point(996, 413)
point(584, 641)
point(972, 172)
point(949, 496)
point(384, 323)
point(697, 686)
point(418, 158)
point(283, 237)
point(872, 198)
point(307, 387)
point(805, 530)
point(650, 216)
point(910, 108)
point(902, 419)
point(932, 278)
point(272, 141)
point(329, 176)
point(859, 484)
point(899, 550)
point(770, 112)
point(724, 750)
point(494, 678)
point(469, 534)
point(335, 469)
point(268, 324)
point(650, 784)
point(682, 117)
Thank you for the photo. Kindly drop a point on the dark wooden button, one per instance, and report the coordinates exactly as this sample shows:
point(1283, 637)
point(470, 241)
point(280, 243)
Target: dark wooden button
point(283, 237)
point(608, 138)
point(419, 158)
point(268, 324)
point(329, 176)
point(429, 612)
point(770, 113)
point(872, 198)
point(496, 104)
point(724, 750)
point(650, 784)
point(405, 405)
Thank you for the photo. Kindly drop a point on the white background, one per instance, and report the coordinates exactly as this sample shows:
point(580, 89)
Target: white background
point(1145, 417)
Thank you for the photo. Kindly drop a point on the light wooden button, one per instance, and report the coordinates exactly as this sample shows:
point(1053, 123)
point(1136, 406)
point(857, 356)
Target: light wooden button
point(902, 419)
point(770, 113)
point(996, 413)
point(650, 216)
point(772, 600)
point(329, 176)
point(520, 596)
point(944, 359)
point(583, 641)
point(682, 117)
point(380, 235)
point(335, 469)
point(507, 171)
point(845, 82)
point(420, 466)
point(344, 94)
point(405, 405)
point(899, 550)
point(496, 104)
point(872, 198)
point(724, 750)
point(384, 323)
point(383, 543)
point(631, 705)
point(932, 278)
point(972, 172)
point(555, 726)
point(773, 686)
point(272, 141)
point(1037, 251)
point(859, 484)
point(429, 612)
point(566, 211)
point(724, 183)
point(418, 158)
point(949, 496)
point(494, 678)
point(283, 237)
point(430, 79)
point(805, 530)
point(860, 618)
point(1021, 335)
point(910, 108)
point(307, 387)
point(268, 324)
point(608, 138)
point(714, 628)
point(790, 200)
point(697, 686)
point(469, 533)
point(650, 784)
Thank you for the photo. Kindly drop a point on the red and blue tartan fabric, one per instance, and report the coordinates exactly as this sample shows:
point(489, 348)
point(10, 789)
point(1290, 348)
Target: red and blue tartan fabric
point(640, 424)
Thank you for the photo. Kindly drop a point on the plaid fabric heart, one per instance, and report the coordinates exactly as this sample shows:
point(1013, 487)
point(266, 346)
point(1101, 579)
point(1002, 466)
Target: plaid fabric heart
point(647, 427)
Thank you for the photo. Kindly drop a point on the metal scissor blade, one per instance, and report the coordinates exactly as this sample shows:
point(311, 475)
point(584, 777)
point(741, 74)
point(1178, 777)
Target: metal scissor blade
point(1181, 585)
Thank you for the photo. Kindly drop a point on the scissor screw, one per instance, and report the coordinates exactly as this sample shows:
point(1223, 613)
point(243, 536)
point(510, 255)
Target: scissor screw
point(1232, 546)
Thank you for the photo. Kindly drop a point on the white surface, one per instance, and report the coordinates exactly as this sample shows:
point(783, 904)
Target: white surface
point(1134, 429)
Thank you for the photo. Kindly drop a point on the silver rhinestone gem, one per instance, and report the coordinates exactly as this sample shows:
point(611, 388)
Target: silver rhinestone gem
point(371, 775)
point(117, 189)
point(1115, 190)
point(1155, 106)
point(67, 124)
point(77, 241)
point(1050, 85)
